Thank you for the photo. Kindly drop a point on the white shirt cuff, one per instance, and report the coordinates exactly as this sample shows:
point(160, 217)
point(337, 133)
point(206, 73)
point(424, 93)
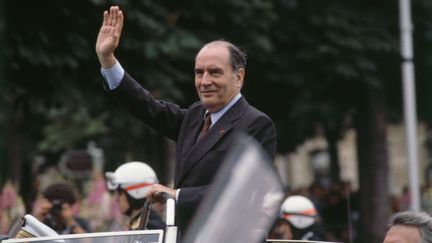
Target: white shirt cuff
point(113, 76)
point(177, 194)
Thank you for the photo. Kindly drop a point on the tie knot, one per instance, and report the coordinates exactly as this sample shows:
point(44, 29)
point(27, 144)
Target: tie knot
point(206, 126)
point(207, 119)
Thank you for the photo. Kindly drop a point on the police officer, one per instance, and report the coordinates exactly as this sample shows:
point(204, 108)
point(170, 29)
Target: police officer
point(130, 182)
point(298, 220)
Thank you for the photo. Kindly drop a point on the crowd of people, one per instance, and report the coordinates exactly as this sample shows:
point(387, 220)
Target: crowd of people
point(337, 211)
point(112, 203)
point(334, 208)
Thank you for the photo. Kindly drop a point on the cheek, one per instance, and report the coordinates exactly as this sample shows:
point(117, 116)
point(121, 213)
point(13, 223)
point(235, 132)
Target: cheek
point(122, 200)
point(231, 87)
point(239, 84)
point(286, 231)
point(123, 206)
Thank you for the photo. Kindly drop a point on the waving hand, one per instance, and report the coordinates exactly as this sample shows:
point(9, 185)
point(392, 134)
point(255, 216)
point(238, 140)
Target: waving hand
point(109, 36)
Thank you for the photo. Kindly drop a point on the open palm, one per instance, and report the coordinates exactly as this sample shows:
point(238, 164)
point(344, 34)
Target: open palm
point(109, 34)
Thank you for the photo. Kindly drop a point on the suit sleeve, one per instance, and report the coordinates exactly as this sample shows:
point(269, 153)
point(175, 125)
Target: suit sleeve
point(165, 117)
point(190, 196)
point(188, 202)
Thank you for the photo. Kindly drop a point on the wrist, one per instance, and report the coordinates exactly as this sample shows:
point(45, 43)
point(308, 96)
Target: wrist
point(107, 61)
point(72, 227)
point(70, 221)
point(71, 224)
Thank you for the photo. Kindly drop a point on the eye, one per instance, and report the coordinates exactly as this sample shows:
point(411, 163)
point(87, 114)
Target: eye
point(215, 72)
point(198, 72)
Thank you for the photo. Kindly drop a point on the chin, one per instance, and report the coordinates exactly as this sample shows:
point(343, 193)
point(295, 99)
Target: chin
point(206, 103)
point(210, 105)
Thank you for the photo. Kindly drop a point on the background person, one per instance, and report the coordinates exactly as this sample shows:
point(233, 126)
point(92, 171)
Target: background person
point(55, 209)
point(298, 220)
point(409, 227)
point(130, 181)
point(204, 132)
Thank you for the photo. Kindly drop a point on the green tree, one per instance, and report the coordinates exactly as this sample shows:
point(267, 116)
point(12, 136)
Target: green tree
point(333, 63)
point(3, 104)
point(56, 88)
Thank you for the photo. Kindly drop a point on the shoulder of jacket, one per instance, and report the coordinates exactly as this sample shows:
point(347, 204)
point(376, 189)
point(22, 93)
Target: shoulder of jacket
point(195, 105)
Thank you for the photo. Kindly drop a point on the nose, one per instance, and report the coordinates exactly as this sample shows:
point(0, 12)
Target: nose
point(206, 79)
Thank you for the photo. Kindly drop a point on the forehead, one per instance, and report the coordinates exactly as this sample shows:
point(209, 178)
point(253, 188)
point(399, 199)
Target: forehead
point(403, 234)
point(216, 54)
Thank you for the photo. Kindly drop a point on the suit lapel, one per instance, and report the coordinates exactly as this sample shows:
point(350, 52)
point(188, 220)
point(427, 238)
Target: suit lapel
point(192, 130)
point(191, 133)
point(217, 132)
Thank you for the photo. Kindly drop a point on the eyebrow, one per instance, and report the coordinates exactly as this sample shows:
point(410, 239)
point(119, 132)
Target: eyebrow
point(215, 69)
point(209, 68)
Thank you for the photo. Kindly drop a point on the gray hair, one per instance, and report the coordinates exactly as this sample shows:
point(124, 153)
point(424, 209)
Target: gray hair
point(237, 56)
point(422, 221)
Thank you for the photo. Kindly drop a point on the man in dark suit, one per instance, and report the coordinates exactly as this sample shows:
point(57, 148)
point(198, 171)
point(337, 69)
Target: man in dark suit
point(204, 132)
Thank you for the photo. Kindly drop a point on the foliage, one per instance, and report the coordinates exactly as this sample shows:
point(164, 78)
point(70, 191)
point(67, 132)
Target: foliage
point(326, 51)
point(313, 57)
point(54, 75)
point(422, 18)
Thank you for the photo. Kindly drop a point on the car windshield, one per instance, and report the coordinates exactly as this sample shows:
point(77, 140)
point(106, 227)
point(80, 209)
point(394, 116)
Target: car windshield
point(139, 236)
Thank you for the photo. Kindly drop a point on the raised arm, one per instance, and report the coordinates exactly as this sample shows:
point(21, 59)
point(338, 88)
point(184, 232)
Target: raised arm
point(109, 36)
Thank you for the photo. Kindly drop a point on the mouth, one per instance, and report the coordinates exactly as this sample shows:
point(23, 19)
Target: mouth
point(207, 93)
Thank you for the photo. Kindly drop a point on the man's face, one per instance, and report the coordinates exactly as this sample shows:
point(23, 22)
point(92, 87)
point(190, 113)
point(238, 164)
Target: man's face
point(215, 81)
point(283, 229)
point(402, 234)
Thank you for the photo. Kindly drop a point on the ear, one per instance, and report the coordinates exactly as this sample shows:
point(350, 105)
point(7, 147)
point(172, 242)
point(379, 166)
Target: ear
point(239, 77)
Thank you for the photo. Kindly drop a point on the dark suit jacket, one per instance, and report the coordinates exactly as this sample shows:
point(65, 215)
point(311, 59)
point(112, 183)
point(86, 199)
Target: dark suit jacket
point(196, 162)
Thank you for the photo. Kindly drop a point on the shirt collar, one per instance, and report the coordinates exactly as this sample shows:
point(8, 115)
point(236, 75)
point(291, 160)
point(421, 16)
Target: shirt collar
point(215, 116)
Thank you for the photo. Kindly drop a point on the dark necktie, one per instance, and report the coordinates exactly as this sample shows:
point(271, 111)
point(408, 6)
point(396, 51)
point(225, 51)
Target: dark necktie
point(206, 126)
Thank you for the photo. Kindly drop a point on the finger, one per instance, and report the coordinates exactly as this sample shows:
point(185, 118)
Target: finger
point(149, 192)
point(115, 16)
point(111, 16)
point(120, 21)
point(153, 193)
point(105, 18)
point(157, 196)
point(115, 8)
point(164, 195)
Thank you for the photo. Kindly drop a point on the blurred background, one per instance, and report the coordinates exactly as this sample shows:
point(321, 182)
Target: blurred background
point(326, 72)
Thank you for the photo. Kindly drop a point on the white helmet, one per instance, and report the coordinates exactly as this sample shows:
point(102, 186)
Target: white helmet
point(133, 177)
point(299, 211)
